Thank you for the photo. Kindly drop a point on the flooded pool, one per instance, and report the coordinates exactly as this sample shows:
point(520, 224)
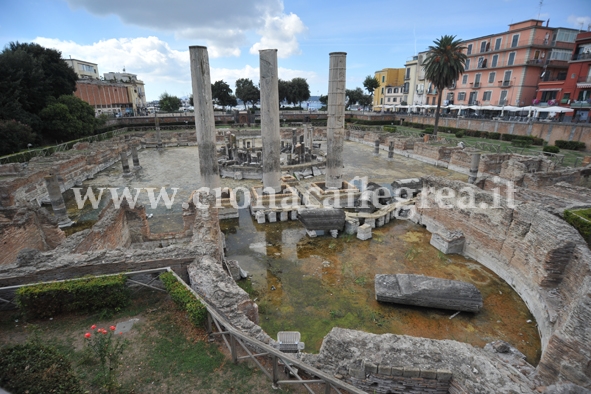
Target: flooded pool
point(311, 285)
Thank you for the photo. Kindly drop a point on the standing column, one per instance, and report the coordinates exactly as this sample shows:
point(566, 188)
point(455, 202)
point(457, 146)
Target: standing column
point(391, 151)
point(335, 129)
point(157, 127)
point(294, 140)
point(135, 158)
point(376, 148)
point(474, 167)
point(125, 164)
point(204, 119)
point(270, 119)
point(57, 201)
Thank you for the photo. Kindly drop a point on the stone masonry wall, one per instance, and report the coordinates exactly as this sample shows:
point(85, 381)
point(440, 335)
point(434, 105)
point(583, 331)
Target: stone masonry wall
point(27, 228)
point(542, 257)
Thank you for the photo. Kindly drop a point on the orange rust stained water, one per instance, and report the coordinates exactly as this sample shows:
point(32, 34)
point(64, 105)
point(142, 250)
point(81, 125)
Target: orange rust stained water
point(324, 282)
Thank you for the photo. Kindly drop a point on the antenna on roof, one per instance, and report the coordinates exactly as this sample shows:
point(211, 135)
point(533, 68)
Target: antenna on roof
point(540, 9)
point(414, 33)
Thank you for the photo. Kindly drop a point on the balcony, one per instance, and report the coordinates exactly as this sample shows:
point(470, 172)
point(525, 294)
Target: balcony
point(580, 104)
point(582, 56)
point(476, 85)
point(505, 83)
point(586, 79)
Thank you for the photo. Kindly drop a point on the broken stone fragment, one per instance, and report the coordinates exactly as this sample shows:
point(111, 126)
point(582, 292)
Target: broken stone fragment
point(428, 292)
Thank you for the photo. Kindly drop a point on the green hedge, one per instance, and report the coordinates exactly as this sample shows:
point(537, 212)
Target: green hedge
point(35, 368)
point(428, 130)
point(390, 129)
point(88, 294)
point(371, 122)
point(551, 149)
point(581, 220)
point(184, 299)
point(570, 145)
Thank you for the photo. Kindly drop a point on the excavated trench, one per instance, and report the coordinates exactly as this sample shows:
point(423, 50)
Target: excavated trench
point(313, 284)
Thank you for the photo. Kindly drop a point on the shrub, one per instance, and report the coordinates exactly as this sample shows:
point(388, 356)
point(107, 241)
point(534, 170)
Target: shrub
point(551, 149)
point(390, 129)
point(570, 145)
point(79, 295)
point(459, 134)
point(184, 299)
point(521, 142)
point(35, 368)
point(428, 130)
point(581, 220)
point(494, 136)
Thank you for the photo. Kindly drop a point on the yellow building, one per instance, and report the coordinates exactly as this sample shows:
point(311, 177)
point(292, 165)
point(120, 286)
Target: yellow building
point(83, 69)
point(388, 77)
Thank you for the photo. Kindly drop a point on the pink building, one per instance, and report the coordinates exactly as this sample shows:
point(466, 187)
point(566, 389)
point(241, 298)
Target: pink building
point(505, 68)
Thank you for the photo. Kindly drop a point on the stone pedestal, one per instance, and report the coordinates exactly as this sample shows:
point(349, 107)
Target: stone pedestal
point(474, 168)
point(371, 222)
point(272, 217)
point(57, 201)
point(364, 232)
point(293, 215)
point(380, 221)
point(125, 164)
point(135, 158)
point(351, 226)
point(334, 233)
point(448, 242)
point(283, 216)
point(391, 151)
point(260, 217)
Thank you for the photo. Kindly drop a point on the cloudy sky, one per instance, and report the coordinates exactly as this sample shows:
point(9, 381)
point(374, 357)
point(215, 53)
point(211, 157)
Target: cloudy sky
point(151, 37)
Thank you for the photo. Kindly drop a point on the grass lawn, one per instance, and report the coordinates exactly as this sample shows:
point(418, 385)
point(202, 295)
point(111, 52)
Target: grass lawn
point(570, 157)
point(165, 353)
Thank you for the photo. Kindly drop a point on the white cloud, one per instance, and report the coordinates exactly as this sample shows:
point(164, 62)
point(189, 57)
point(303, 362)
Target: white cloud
point(156, 63)
point(280, 32)
point(223, 24)
point(579, 22)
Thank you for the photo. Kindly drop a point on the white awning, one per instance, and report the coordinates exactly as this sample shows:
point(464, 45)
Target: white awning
point(584, 85)
point(550, 90)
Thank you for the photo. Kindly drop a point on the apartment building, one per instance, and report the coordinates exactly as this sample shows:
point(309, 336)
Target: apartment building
point(388, 78)
point(572, 88)
point(135, 87)
point(505, 68)
point(105, 97)
point(83, 68)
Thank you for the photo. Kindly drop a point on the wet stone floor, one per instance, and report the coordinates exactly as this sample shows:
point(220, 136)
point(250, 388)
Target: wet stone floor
point(313, 284)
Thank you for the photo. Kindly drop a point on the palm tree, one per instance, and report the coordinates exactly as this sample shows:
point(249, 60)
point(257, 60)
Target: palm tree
point(443, 66)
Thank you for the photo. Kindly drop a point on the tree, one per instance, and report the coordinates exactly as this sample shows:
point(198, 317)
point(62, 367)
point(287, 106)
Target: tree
point(323, 99)
point(169, 103)
point(15, 136)
point(68, 118)
point(365, 101)
point(284, 88)
point(443, 65)
point(29, 76)
point(354, 96)
point(222, 94)
point(299, 90)
point(247, 92)
point(370, 84)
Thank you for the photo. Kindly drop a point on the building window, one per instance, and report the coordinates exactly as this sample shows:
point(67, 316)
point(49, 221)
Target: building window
point(389, 90)
point(469, 49)
point(511, 59)
point(467, 67)
point(514, 40)
point(461, 96)
point(381, 101)
point(584, 95)
point(388, 99)
point(498, 43)
point(464, 79)
point(395, 90)
point(394, 99)
point(495, 60)
point(407, 73)
point(477, 80)
point(566, 35)
point(383, 78)
point(473, 98)
point(549, 95)
point(503, 98)
point(491, 77)
point(483, 46)
point(382, 90)
point(560, 54)
point(487, 95)
point(86, 68)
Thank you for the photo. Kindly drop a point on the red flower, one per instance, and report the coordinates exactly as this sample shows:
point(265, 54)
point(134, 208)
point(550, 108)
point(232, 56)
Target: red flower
point(87, 335)
point(112, 328)
point(93, 327)
point(104, 331)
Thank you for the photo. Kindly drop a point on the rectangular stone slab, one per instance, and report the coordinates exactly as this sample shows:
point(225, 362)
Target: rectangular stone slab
point(427, 291)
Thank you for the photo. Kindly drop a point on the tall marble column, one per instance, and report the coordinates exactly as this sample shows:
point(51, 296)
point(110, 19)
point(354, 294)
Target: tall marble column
point(270, 119)
point(57, 201)
point(335, 131)
point(204, 119)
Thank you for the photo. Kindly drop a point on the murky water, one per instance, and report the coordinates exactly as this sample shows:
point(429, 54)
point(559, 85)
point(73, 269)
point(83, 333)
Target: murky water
point(320, 283)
